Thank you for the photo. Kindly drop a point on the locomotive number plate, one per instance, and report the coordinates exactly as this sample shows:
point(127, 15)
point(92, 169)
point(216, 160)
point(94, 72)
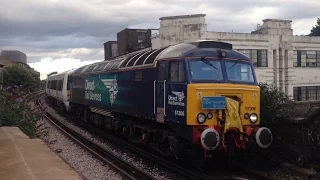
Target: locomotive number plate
point(213, 102)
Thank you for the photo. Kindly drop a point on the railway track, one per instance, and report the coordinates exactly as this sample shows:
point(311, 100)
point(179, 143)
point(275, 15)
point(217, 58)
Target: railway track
point(186, 172)
point(28, 97)
point(190, 174)
point(125, 169)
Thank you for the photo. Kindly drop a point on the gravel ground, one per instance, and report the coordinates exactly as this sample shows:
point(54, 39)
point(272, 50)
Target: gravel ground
point(79, 159)
point(280, 175)
point(148, 167)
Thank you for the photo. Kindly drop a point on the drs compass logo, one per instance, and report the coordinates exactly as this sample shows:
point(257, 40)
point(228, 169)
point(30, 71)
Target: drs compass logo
point(112, 85)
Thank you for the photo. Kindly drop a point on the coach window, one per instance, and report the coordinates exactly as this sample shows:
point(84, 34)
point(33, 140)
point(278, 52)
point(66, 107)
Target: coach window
point(177, 71)
point(69, 83)
point(54, 84)
point(60, 85)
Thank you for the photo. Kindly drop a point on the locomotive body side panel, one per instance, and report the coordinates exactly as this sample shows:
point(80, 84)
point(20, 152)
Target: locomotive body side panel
point(126, 92)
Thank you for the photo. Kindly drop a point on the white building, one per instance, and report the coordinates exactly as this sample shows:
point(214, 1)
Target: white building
point(291, 62)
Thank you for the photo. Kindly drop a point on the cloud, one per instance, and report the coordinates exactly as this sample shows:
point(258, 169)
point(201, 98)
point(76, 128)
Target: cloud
point(78, 28)
point(48, 65)
point(83, 54)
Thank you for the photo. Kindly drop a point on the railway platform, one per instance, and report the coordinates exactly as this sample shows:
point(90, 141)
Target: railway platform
point(30, 159)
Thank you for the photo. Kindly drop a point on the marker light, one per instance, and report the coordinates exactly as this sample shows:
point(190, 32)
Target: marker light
point(224, 54)
point(246, 116)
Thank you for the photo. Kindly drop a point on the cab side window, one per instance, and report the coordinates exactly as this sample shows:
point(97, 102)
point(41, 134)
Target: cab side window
point(177, 73)
point(161, 72)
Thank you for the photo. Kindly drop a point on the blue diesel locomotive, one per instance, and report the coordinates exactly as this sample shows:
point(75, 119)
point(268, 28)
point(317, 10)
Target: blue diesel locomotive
point(195, 98)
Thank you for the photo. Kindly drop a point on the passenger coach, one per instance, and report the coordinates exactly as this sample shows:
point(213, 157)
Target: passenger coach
point(58, 91)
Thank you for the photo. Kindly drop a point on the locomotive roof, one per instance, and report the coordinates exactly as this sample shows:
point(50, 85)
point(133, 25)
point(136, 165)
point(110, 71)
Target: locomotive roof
point(148, 57)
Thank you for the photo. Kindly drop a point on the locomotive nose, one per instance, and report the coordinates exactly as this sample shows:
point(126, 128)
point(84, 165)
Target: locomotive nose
point(210, 139)
point(264, 137)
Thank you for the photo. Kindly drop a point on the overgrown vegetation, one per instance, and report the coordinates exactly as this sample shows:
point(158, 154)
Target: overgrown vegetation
point(15, 111)
point(16, 75)
point(275, 104)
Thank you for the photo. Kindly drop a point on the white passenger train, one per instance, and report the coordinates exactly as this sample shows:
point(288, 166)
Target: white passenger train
point(58, 89)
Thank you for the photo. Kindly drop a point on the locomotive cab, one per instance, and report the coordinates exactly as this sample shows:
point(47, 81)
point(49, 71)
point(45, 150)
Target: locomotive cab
point(212, 89)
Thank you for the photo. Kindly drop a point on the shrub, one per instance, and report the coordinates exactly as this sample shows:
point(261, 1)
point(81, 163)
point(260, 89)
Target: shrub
point(16, 75)
point(275, 104)
point(15, 113)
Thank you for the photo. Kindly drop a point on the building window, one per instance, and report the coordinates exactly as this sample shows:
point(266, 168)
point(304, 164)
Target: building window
point(302, 58)
point(258, 56)
point(114, 53)
point(306, 93)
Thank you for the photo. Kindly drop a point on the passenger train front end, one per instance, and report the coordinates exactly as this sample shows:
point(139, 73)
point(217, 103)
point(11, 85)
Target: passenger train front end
point(223, 101)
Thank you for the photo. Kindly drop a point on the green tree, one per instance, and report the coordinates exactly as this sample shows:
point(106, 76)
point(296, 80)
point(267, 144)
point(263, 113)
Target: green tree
point(275, 104)
point(315, 31)
point(16, 75)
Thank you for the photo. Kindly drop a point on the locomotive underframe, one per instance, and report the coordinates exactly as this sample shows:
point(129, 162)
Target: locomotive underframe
point(167, 139)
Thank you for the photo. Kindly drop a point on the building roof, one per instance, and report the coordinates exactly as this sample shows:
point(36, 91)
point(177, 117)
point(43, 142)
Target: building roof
point(277, 20)
point(182, 16)
point(109, 42)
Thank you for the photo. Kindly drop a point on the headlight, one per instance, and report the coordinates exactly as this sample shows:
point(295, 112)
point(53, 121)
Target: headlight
point(253, 117)
point(209, 115)
point(201, 118)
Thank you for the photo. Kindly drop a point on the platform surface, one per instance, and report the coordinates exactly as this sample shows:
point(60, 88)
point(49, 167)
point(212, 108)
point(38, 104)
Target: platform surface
point(30, 159)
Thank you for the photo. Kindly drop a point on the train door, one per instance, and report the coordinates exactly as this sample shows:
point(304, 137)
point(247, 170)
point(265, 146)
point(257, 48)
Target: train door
point(69, 88)
point(176, 88)
point(160, 91)
point(60, 89)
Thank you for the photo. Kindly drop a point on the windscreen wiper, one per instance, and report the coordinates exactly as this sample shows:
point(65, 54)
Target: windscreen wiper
point(203, 59)
point(234, 64)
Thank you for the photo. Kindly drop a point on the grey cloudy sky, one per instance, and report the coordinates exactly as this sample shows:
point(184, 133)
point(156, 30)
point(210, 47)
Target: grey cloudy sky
point(75, 30)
